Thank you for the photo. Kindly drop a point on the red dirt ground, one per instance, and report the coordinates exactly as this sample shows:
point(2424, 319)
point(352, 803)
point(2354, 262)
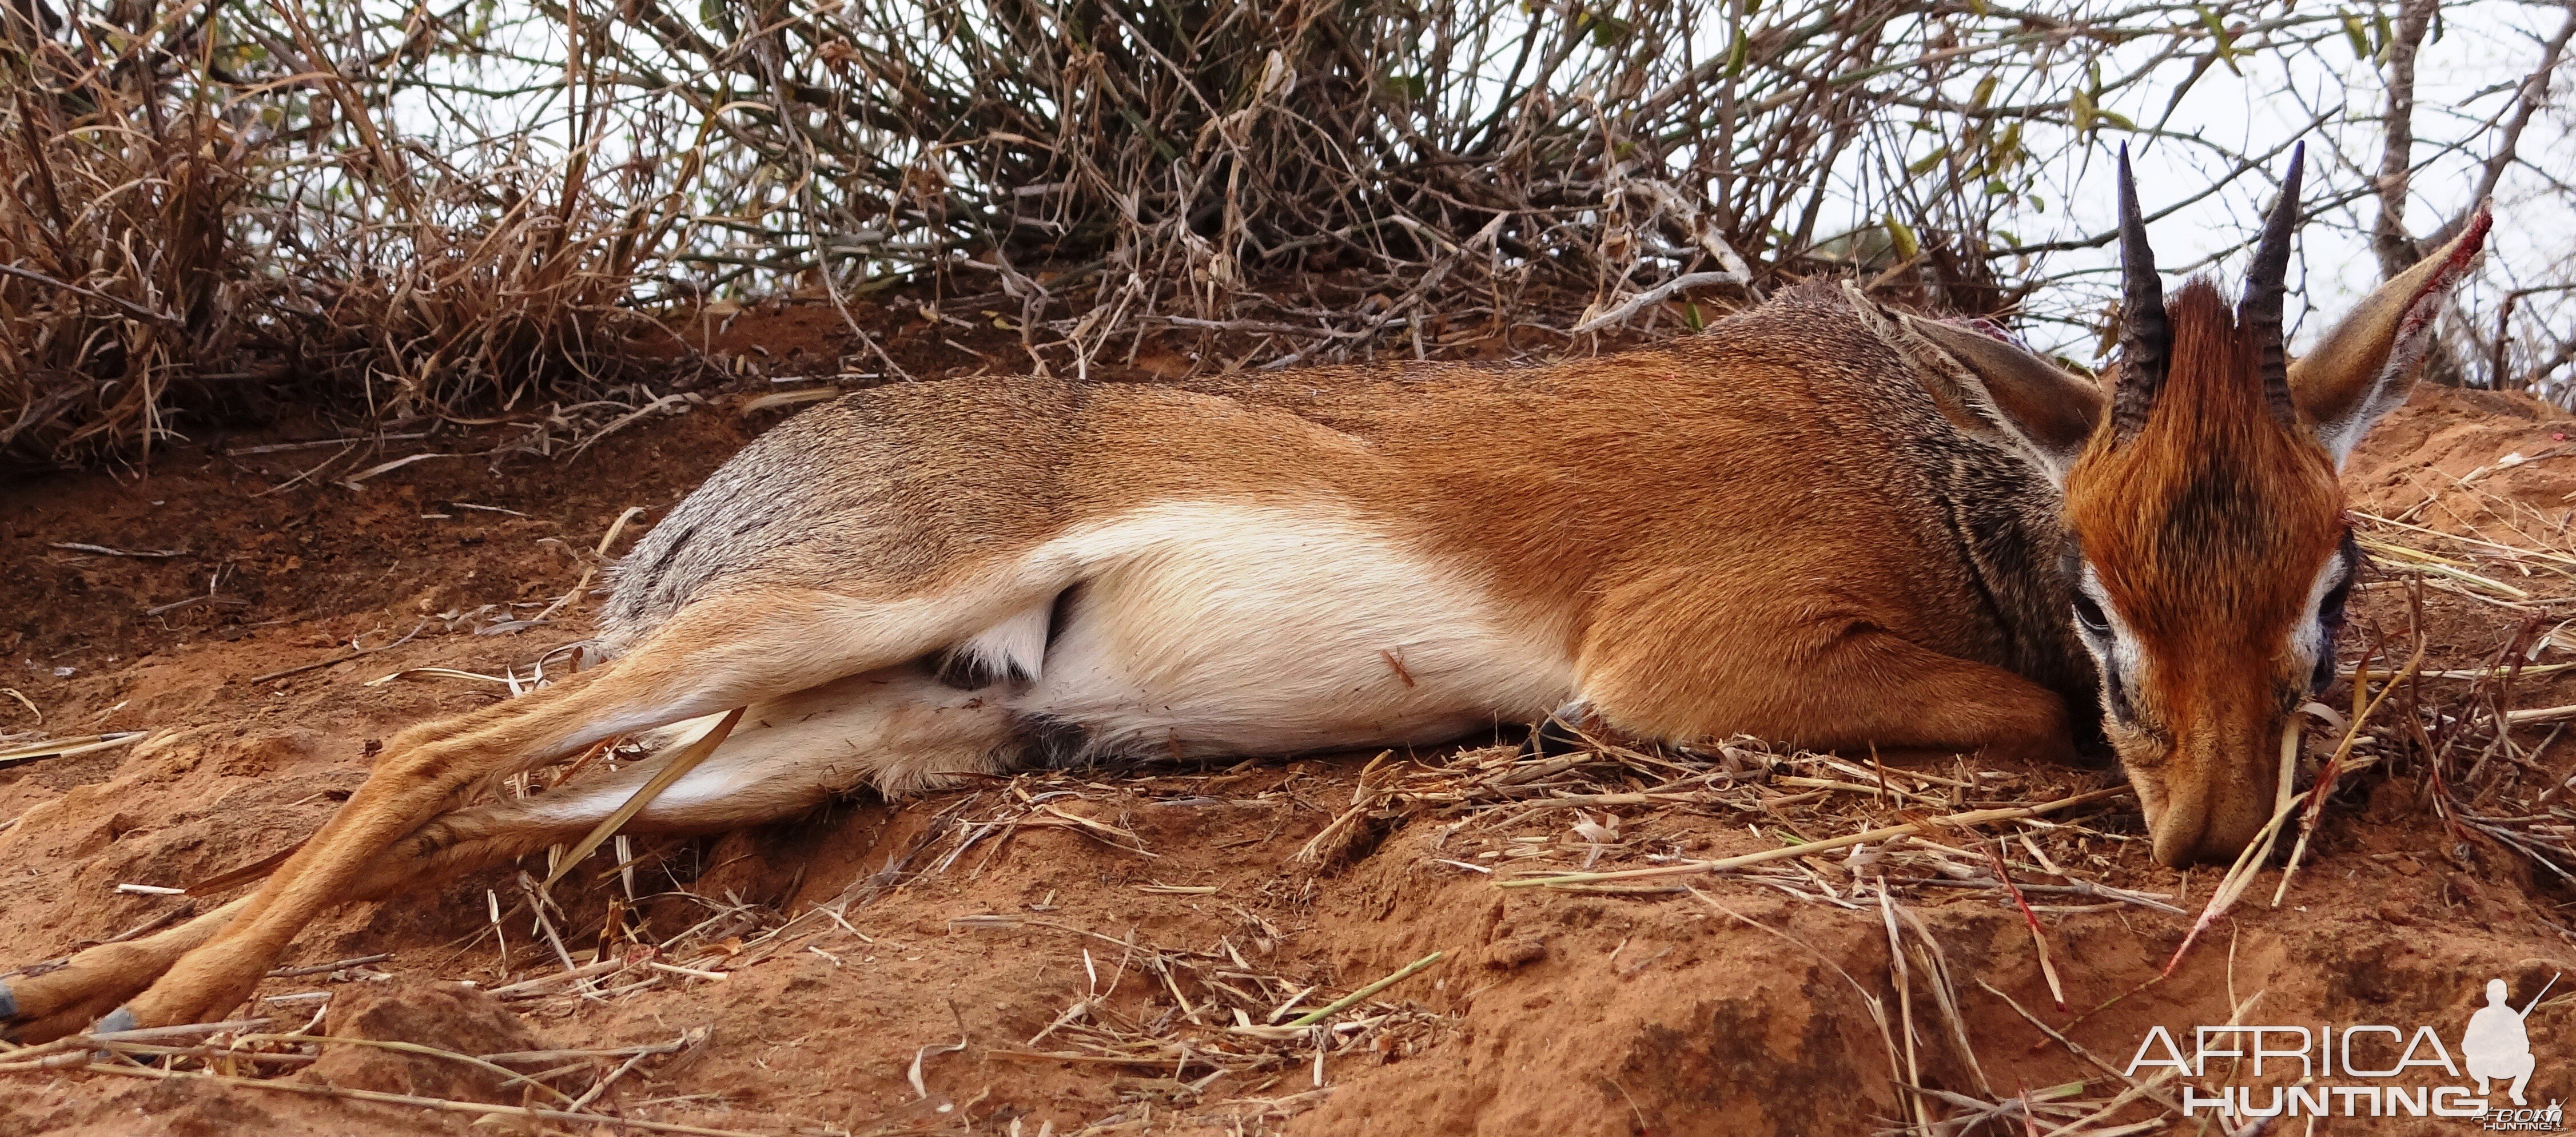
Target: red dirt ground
point(1562, 1013)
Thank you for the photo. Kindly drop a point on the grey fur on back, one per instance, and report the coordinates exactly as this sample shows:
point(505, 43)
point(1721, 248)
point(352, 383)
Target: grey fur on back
point(903, 478)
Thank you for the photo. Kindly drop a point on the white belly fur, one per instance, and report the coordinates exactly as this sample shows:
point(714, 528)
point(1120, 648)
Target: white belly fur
point(1222, 629)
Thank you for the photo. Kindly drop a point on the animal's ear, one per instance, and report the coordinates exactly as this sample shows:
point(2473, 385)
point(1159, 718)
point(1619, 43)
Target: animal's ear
point(1995, 390)
point(2366, 365)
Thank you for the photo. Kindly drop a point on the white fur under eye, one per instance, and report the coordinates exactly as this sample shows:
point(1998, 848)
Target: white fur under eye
point(2123, 659)
point(2311, 642)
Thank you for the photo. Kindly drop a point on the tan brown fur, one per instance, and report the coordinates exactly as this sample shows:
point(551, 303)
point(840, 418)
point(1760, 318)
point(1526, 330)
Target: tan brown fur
point(1850, 586)
point(1822, 522)
point(1788, 414)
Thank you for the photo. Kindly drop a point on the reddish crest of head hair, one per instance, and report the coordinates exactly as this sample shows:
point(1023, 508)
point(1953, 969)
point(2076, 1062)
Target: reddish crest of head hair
point(2207, 524)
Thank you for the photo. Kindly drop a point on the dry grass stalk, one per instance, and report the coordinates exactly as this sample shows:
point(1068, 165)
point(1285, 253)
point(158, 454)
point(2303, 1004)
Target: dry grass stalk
point(2240, 875)
point(1960, 821)
point(2038, 935)
point(440, 1104)
point(1222, 1011)
point(2071, 1047)
point(2335, 764)
point(1338, 834)
point(673, 769)
point(1344, 1003)
point(1905, 1014)
point(68, 747)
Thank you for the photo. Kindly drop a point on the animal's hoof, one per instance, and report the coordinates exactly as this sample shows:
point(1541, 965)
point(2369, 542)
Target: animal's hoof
point(8, 1003)
point(116, 1020)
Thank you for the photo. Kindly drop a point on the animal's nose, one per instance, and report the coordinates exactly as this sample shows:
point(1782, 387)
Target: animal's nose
point(2218, 806)
point(2180, 847)
point(2177, 835)
point(2229, 834)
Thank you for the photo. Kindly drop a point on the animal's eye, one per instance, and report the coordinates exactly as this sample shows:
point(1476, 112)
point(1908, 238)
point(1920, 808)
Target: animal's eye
point(2090, 615)
point(2330, 611)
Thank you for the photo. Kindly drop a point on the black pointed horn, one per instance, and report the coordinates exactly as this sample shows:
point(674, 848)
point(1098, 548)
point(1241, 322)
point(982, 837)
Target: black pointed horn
point(2146, 340)
point(2265, 282)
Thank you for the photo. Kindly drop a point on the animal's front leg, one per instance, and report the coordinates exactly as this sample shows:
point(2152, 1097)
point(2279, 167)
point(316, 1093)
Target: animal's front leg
point(1821, 680)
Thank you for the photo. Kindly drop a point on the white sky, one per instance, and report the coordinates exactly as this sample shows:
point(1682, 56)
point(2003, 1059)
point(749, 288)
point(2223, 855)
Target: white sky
point(2462, 80)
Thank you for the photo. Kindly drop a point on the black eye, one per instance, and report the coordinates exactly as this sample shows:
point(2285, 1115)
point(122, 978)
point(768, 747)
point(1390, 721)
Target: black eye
point(2330, 611)
point(2330, 621)
point(2090, 616)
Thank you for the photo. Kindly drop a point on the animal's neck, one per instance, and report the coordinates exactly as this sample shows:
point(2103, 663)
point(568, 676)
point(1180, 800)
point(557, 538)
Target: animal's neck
point(2006, 520)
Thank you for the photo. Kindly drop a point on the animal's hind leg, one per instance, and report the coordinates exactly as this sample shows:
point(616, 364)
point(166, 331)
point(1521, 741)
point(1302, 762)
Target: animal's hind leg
point(897, 731)
point(749, 779)
point(714, 655)
point(46, 1005)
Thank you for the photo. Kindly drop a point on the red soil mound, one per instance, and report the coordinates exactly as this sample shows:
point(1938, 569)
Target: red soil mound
point(1091, 937)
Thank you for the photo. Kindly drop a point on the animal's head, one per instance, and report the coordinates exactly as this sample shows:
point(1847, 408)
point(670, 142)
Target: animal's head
point(2207, 545)
point(2207, 534)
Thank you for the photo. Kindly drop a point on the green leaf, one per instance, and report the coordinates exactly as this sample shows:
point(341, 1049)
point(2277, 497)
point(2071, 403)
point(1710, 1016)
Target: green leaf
point(1692, 317)
point(2223, 43)
point(1927, 163)
point(2357, 34)
point(1735, 54)
point(1607, 31)
point(1985, 92)
point(1409, 88)
point(2116, 119)
point(2038, 204)
point(2209, 19)
point(1902, 236)
point(2080, 105)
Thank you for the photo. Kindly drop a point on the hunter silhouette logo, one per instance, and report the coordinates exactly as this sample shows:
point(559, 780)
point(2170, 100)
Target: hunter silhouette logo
point(2365, 1069)
point(2496, 1046)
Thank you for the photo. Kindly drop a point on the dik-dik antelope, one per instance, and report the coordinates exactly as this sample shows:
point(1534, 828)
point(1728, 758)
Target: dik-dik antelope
point(1823, 521)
